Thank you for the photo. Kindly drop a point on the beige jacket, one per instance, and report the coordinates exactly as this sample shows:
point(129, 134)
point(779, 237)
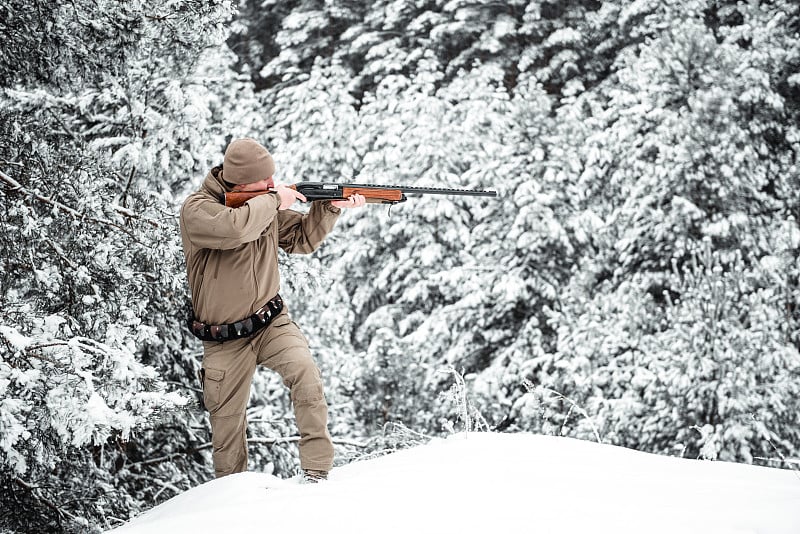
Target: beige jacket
point(232, 254)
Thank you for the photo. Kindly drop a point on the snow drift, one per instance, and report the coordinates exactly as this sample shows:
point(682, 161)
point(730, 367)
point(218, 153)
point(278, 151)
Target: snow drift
point(486, 482)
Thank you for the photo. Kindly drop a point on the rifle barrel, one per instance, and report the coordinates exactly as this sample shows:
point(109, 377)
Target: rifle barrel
point(403, 188)
point(445, 191)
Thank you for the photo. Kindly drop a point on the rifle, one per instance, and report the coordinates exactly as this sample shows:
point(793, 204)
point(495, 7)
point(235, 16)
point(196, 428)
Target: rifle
point(374, 194)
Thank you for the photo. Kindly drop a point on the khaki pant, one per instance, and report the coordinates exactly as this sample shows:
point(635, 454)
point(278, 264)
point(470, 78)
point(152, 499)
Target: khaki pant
point(229, 368)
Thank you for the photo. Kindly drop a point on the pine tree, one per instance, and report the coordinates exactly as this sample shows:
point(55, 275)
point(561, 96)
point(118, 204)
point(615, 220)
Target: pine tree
point(98, 131)
point(689, 176)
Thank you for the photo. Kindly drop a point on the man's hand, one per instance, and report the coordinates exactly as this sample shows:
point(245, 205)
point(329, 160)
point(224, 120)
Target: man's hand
point(354, 201)
point(288, 196)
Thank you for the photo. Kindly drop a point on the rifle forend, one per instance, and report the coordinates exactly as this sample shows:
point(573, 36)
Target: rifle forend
point(375, 194)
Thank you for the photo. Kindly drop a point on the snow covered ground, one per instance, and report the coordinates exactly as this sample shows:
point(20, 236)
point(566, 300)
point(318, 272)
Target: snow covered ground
point(486, 483)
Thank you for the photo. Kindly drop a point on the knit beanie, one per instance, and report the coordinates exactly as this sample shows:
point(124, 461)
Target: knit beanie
point(246, 161)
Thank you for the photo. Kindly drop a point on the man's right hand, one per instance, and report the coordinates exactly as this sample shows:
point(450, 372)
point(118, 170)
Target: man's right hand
point(288, 196)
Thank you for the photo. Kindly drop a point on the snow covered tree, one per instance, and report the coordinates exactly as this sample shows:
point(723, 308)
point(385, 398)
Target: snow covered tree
point(693, 261)
point(278, 42)
point(118, 112)
point(84, 290)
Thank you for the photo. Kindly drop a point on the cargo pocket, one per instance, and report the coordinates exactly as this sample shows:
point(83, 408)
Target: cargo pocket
point(212, 387)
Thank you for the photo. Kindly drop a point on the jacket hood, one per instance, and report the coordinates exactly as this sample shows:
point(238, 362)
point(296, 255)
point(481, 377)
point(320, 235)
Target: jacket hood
point(214, 185)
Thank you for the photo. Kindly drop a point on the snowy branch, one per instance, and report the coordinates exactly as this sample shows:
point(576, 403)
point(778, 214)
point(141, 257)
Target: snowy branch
point(16, 186)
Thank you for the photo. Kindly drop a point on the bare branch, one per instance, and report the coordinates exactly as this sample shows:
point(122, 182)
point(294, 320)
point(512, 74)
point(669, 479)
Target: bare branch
point(47, 502)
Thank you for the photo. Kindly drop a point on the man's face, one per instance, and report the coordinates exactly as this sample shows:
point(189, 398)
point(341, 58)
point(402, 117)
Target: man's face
point(262, 185)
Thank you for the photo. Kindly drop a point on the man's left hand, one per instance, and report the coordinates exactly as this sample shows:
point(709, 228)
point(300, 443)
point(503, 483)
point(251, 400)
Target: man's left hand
point(353, 201)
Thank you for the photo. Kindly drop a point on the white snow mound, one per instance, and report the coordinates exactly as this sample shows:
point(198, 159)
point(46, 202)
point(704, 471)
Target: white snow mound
point(487, 483)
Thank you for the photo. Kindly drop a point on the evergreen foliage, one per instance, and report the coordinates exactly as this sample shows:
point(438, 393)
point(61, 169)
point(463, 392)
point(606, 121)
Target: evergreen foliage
point(99, 126)
point(637, 282)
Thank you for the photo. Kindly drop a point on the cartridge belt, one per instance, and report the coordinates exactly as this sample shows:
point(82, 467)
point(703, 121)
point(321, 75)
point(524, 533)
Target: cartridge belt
point(244, 328)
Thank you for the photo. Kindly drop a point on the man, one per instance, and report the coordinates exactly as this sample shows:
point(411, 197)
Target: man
point(232, 263)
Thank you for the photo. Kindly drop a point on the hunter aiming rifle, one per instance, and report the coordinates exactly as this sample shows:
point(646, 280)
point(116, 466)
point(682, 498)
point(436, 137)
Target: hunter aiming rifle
point(374, 194)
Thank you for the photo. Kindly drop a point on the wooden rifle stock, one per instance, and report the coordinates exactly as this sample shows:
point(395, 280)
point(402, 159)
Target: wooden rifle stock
point(374, 194)
point(235, 199)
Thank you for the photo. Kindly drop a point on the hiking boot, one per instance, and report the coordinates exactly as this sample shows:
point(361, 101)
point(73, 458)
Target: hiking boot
point(312, 476)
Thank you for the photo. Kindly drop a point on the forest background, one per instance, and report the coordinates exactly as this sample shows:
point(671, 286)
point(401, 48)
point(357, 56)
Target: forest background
point(636, 283)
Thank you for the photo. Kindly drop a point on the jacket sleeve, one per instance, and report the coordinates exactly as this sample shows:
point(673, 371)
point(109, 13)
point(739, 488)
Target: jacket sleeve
point(212, 225)
point(303, 234)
